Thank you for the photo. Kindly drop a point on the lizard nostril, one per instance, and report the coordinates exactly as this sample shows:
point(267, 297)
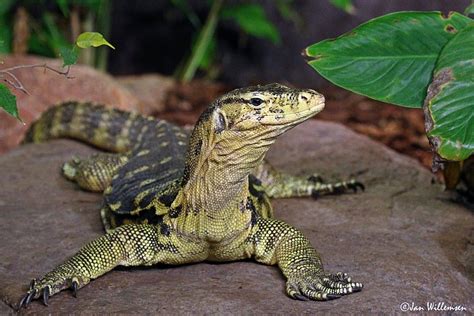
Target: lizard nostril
point(303, 97)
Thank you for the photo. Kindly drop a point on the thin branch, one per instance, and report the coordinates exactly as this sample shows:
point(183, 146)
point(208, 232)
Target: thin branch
point(13, 84)
point(17, 84)
point(45, 66)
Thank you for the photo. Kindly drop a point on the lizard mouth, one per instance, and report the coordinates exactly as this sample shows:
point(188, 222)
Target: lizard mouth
point(294, 118)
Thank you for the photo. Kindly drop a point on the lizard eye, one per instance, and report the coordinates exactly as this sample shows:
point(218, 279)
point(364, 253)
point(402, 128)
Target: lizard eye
point(256, 101)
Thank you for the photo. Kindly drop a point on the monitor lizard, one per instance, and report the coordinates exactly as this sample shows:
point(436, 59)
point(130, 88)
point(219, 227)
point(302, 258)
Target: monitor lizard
point(172, 196)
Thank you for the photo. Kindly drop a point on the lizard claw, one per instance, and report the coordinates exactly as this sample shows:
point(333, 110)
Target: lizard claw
point(23, 301)
point(332, 296)
point(74, 287)
point(27, 298)
point(336, 188)
point(32, 284)
point(51, 284)
point(315, 194)
point(355, 185)
point(315, 286)
point(46, 292)
point(300, 297)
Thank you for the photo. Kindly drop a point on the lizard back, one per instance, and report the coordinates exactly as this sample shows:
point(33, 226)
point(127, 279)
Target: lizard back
point(155, 149)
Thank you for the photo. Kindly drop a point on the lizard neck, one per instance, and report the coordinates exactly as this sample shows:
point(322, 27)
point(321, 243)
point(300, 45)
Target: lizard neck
point(219, 181)
point(217, 170)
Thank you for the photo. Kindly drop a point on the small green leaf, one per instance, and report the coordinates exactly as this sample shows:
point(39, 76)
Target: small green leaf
point(69, 55)
point(449, 105)
point(345, 5)
point(92, 39)
point(469, 10)
point(8, 101)
point(252, 19)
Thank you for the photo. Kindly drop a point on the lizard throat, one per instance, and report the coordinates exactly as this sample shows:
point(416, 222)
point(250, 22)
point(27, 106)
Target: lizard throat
point(219, 181)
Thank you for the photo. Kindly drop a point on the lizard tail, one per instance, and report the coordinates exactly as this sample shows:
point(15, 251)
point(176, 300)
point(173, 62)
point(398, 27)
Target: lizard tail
point(109, 129)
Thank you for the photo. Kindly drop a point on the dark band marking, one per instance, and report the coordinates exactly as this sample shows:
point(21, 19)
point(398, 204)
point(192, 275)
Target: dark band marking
point(146, 200)
point(164, 229)
point(174, 212)
point(68, 113)
point(167, 199)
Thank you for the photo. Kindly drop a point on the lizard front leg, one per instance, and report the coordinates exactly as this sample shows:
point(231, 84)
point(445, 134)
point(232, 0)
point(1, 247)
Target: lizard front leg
point(128, 245)
point(275, 242)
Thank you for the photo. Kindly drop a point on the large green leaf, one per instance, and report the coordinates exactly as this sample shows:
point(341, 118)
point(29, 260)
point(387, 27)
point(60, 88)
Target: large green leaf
point(390, 58)
point(449, 105)
point(8, 101)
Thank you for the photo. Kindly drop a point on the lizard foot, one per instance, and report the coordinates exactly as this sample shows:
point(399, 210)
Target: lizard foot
point(313, 286)
point(70, 168)
point(337, 188)
point(48, 286)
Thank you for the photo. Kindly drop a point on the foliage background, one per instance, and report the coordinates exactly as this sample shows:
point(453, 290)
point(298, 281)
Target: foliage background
point(153, 36)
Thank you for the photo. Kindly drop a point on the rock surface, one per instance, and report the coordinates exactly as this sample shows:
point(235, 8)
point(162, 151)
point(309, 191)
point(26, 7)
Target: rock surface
point(47, 88)
point(402, 237)
point(151, 91)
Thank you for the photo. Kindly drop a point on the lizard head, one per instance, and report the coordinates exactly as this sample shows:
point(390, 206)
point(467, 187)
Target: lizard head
point(271, 108)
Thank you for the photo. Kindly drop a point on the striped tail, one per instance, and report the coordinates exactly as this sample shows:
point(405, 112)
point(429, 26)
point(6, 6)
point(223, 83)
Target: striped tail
point(109, 129)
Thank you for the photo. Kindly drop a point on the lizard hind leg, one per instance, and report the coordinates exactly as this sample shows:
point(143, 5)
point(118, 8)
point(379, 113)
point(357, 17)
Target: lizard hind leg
point(95, 172)
point(281, 185)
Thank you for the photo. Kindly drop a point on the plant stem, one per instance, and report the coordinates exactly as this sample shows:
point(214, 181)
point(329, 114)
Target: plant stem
point(7, 75)
point(87, 56)
point(103, 26)
point(75, 23)
point(200, 46)
point(21, 31)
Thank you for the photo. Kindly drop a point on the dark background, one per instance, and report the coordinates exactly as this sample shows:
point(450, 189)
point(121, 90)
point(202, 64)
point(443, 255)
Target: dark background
point(154, 36)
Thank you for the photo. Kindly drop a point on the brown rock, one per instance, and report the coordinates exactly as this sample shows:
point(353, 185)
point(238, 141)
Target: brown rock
point(47, 88)
point(151, 91)
point(402, 237)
